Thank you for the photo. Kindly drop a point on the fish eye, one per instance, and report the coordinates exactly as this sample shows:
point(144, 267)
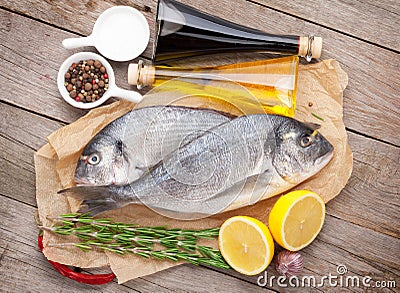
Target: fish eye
point(306, 140)
point(94, 159)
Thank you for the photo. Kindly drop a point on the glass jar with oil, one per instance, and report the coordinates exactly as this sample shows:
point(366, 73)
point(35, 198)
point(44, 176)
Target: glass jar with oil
point(272, 82)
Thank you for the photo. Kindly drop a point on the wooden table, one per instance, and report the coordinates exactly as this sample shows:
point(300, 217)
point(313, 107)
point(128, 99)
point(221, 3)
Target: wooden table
point(362, 226)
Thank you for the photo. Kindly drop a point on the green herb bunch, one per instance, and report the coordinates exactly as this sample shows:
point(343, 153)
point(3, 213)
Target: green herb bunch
point(156, 242)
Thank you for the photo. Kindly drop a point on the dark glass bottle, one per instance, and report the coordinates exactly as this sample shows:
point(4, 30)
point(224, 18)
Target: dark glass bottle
point(184, 31)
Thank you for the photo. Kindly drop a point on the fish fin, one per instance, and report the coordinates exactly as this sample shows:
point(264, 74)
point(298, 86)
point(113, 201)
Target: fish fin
point(95, 199)
point(191, 136)
point(97, 206)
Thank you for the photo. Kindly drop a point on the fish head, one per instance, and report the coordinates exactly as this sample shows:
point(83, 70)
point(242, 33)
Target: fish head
point(102, 162)
point(301, 151)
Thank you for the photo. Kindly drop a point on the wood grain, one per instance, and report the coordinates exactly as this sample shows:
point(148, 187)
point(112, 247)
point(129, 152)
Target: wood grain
point(371, 94)
point(18, 242)
point(336, 235)
point(21, 134)
point(362, 225)
point(346, 16)
point(375, 183)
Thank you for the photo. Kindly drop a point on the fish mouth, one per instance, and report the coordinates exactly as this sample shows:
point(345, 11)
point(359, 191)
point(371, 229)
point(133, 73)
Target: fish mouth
point(325, 159)
point(83, 181)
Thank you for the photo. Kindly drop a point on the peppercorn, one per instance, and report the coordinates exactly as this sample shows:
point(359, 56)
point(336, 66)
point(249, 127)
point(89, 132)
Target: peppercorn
point(97, 64)
point(86, 80)
point(88, 86)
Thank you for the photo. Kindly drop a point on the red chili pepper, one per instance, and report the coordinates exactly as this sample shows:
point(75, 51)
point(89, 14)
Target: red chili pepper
point(79, 277)
point(105, 75)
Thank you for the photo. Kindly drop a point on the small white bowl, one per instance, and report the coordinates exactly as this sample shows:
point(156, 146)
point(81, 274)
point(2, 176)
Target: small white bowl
point(113, 90)
point(120, 33)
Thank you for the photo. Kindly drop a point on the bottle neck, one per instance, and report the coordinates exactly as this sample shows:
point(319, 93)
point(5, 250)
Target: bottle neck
point(141, 75)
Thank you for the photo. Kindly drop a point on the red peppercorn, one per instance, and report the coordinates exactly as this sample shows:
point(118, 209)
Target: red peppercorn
point(93, 81)
point(106, 75)
point(77, 99)
point(73, 65)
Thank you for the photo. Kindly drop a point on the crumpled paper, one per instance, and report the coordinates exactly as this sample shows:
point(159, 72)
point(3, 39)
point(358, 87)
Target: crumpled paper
point(320, 91)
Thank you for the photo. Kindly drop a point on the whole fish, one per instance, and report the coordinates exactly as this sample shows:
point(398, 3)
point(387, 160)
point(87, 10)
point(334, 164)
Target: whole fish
point(127, 147)
point(240, 161)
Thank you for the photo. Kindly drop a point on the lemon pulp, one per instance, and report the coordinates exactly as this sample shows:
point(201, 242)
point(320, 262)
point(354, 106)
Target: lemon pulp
point(246, 244)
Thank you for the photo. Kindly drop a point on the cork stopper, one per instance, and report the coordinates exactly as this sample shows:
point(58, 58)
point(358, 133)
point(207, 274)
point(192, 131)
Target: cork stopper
point(306, 45)
point(133, 73)
point(140, 75)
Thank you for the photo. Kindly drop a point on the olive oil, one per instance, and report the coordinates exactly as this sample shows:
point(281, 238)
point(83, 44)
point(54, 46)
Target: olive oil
point(270, 84)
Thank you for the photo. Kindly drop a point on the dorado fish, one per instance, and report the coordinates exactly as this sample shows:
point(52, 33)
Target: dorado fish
point(124, 149)
point(240, 161)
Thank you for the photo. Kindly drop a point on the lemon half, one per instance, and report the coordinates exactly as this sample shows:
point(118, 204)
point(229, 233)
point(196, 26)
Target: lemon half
point(246, 244)
point(296, 219)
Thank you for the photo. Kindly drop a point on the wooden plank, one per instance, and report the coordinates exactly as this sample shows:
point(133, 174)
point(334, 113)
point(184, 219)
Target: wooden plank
point(364, 253)
point(380, 19)
point(375, 182)
point(33, 58)
point(372, 242)
point(17, 172)
point(18, 243)
point(21, 133)
point(365, 243)
point(202, 280)
point(79, 16)
point(24, 127)
point(371, 94)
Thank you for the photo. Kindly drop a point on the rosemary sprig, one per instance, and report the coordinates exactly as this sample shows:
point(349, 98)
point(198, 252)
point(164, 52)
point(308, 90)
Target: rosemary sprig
point(318, 117)
point(122, 238)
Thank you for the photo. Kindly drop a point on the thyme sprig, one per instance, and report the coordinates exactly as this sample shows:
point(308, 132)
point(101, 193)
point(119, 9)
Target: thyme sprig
point(122, 238)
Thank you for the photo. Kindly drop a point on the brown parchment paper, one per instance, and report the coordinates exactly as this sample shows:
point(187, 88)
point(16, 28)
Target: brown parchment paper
point(320, 91)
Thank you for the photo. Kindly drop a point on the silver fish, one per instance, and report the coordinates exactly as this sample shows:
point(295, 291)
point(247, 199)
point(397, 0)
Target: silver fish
point(238, 162)
point(122, 151)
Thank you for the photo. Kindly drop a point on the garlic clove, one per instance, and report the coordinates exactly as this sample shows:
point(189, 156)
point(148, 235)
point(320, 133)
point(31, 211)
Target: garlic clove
point(289, 263)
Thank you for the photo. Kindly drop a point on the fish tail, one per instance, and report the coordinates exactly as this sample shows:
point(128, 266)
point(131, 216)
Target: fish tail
point(95, 199)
